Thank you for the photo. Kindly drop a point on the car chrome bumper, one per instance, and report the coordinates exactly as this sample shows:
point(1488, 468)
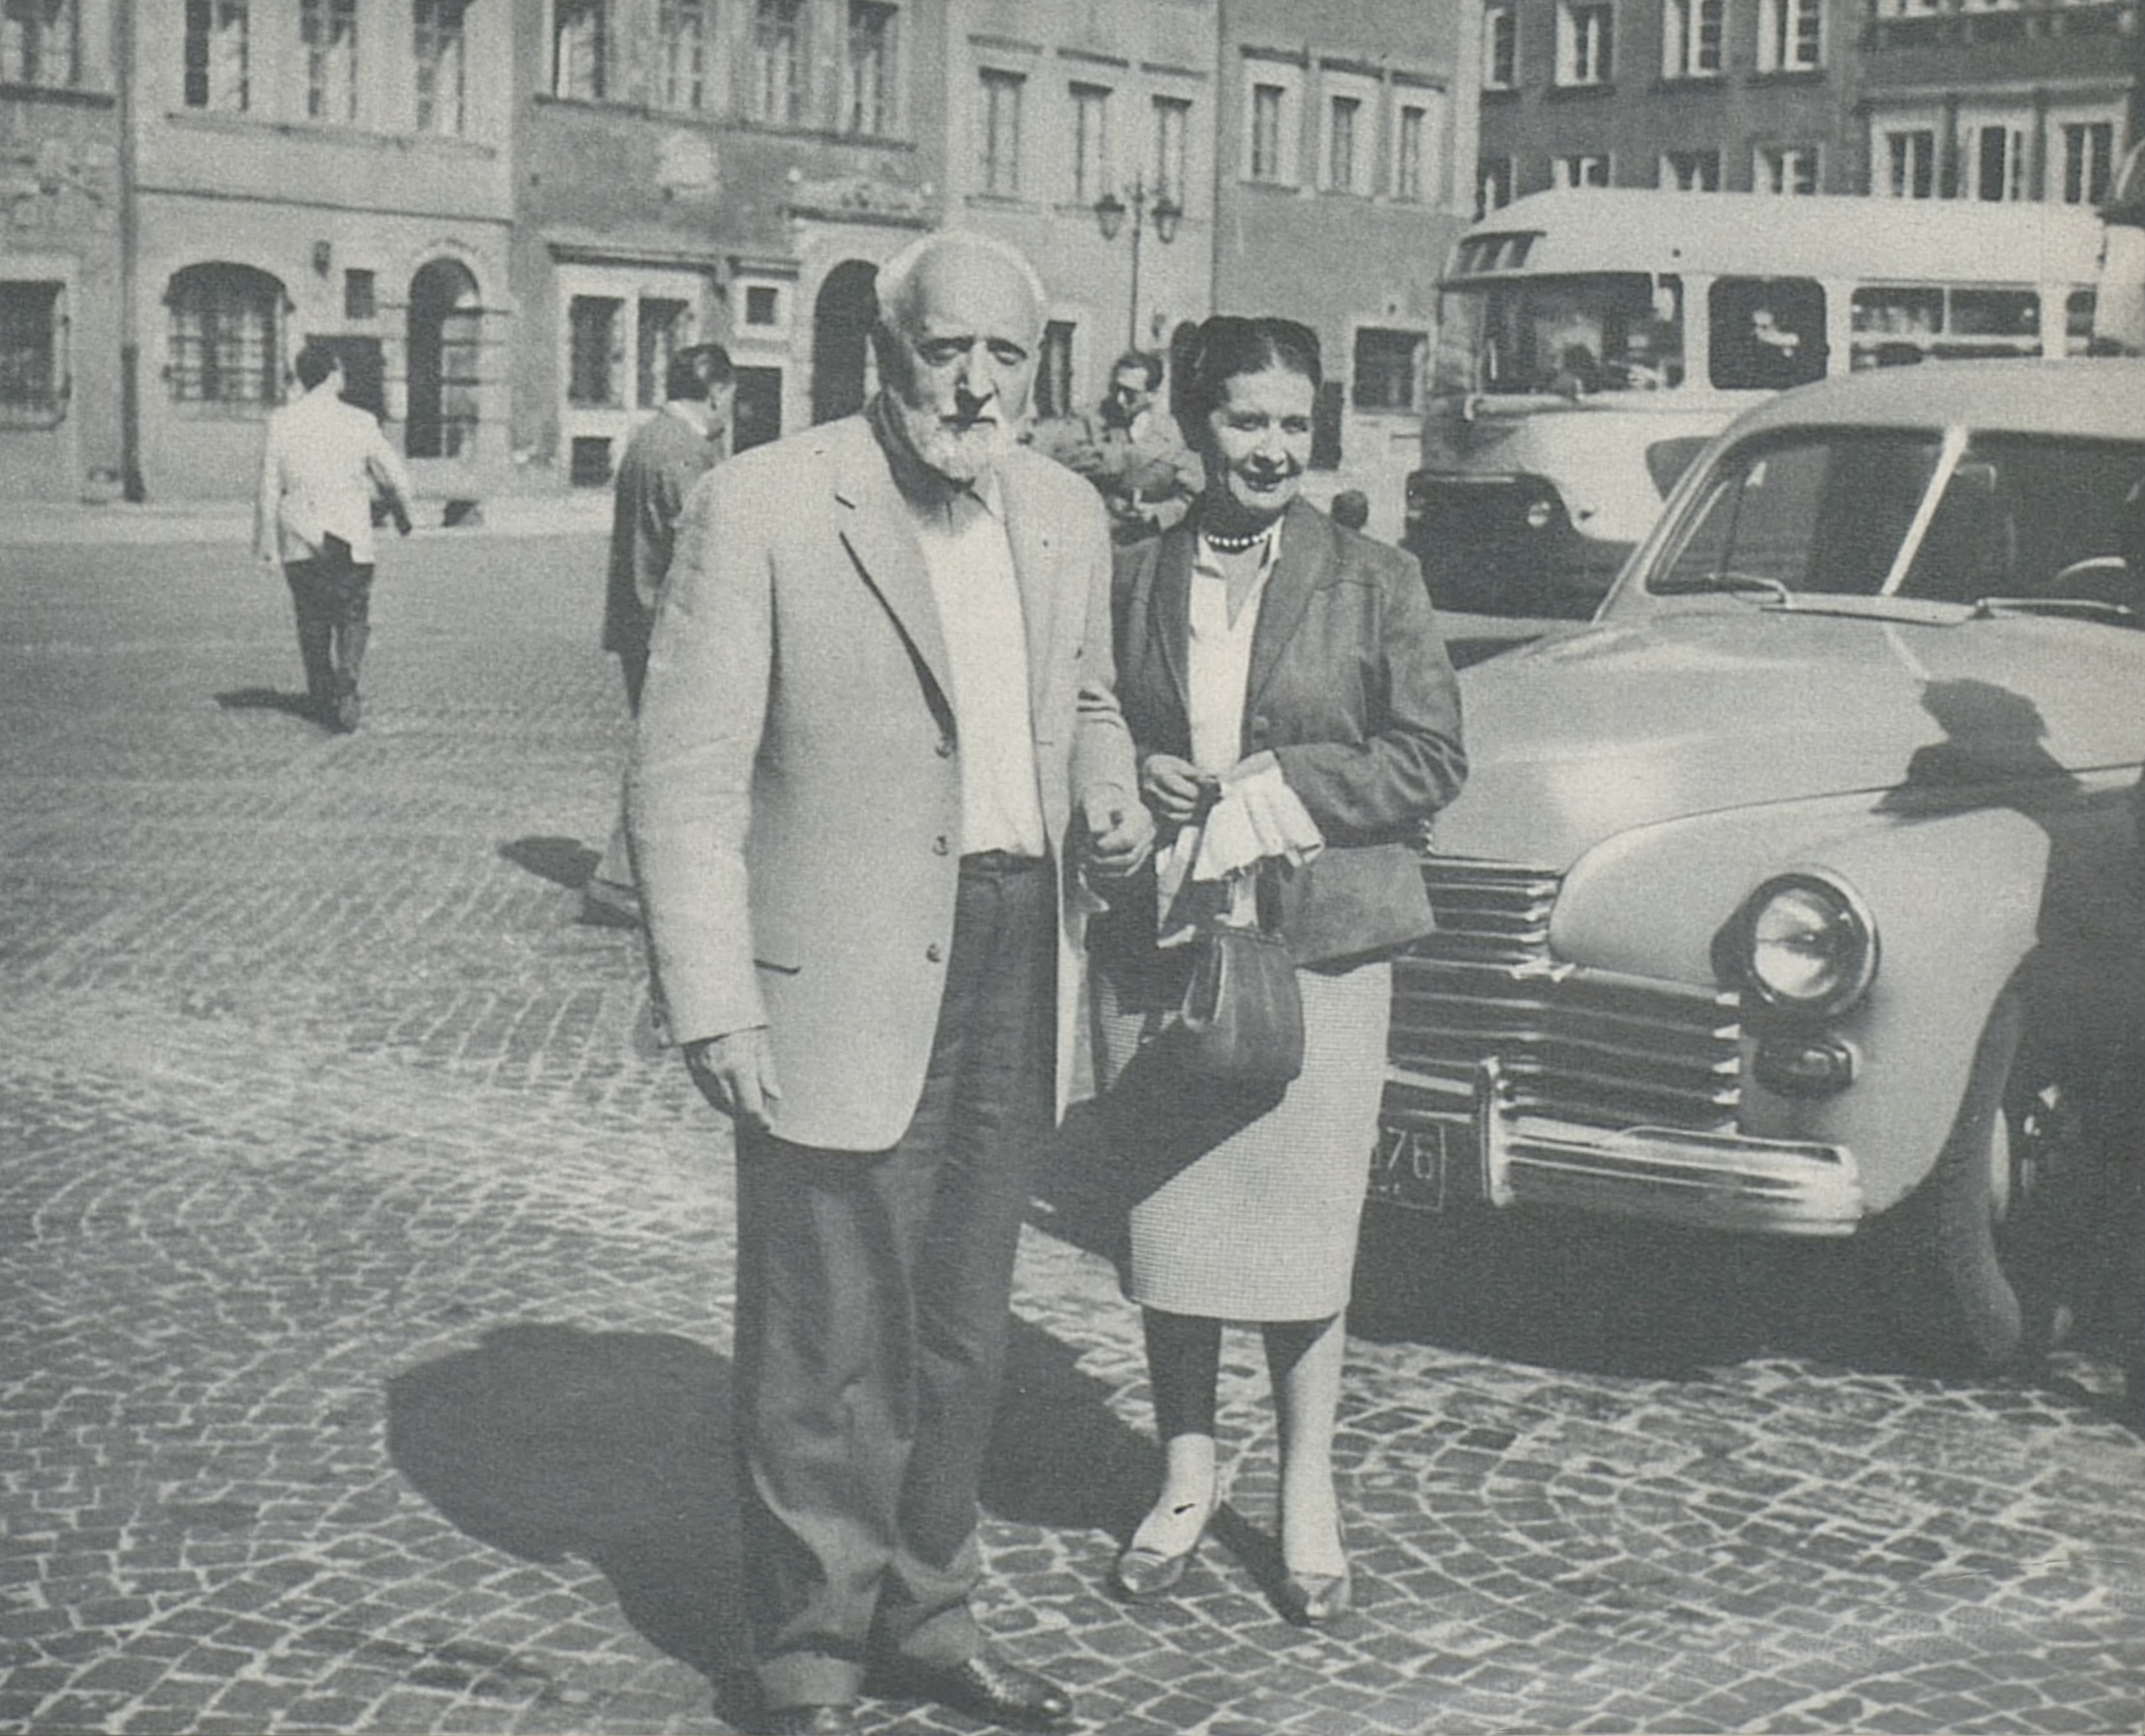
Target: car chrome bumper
point(1693, 1179)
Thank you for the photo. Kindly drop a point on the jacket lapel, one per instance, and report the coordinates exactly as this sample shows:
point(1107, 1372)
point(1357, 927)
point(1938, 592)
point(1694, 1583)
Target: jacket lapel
point(877, 530)
point(1169, 605)
point(1306, 556)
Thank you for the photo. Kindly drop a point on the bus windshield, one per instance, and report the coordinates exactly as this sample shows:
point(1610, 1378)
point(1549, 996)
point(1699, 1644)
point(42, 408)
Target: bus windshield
point(1609, 332)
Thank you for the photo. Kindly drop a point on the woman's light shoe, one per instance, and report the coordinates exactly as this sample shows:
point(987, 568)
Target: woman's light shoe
point(1313, 1600)
point(1144, 1573)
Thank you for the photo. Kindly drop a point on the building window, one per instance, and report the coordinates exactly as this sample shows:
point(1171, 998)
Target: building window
point(1910, 163)
point(1790, 169)
point(360, 298)
point(1585, 168)
point(1494, 182)
point(37, 42)
point(216, 55)
point(681, 53)
point(1691, 171)
point(580, 49)
point(663, 328)
point(1001, 133)
point(763, 304)
point(595, 359)
point(1091, 142)
point(2088, 148)
point(1585, 33)
point(1501, 49)
point(778, 63)
point(31, 325)
point(1269, 106)
point(329, 29)
point(1387, 365)
point(225, 346)
point(1997, 162)
point(1790, 35)
point(1409, 145)
point(1053, 371)
point(1344, 117)
point(442, 56)
point(1172, 141)
point(871, 67)
point(1690, 38)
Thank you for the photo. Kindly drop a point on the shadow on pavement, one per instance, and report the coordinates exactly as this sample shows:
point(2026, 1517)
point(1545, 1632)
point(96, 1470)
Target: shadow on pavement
point(565, 861)
point(549, 1440)
point(266, 698)
point(1059, 1458)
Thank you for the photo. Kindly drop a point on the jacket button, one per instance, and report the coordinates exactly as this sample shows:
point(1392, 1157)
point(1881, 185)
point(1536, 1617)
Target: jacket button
point(940, 845)
point(935, 953)
point(945, 747)
point(1259, 726)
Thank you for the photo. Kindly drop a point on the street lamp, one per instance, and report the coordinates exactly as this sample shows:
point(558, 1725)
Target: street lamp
point(1110, 217)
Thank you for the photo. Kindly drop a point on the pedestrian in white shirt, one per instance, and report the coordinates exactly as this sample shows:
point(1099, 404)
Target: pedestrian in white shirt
point(323, 465)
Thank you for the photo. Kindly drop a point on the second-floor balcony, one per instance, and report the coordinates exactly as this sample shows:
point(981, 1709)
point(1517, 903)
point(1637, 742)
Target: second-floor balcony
point(1949, 24)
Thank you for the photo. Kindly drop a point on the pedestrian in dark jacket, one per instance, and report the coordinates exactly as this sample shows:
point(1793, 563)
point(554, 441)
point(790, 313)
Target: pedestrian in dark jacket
point(666, 454)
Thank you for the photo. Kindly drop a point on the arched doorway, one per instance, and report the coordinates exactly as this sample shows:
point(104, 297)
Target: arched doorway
point(444, 329)
point(841, 339)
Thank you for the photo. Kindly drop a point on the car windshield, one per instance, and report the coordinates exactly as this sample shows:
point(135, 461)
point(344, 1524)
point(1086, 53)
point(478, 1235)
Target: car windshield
point(2030, 519)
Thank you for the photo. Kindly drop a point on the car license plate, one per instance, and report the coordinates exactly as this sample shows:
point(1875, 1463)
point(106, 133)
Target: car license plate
point(1430, 1167)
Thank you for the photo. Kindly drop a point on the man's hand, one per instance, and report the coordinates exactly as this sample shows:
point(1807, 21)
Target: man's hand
point(1117, 832)
point(1173, 788)
point(736, 1074)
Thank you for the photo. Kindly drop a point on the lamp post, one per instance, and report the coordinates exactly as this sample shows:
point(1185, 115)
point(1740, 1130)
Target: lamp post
point(1110, 212)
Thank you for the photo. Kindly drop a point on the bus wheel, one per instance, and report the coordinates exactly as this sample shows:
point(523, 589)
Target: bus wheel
point(1974, 1261)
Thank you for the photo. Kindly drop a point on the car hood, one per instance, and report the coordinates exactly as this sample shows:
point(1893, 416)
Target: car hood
point(1727, 705)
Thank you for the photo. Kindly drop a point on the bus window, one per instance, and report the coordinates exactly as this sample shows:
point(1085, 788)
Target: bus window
point(1768, 332)
point(1992, 322)
point(1574, 336)
point(1893, 324)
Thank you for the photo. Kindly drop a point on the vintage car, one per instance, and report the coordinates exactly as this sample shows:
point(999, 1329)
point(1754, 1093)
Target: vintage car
point(1798, 895)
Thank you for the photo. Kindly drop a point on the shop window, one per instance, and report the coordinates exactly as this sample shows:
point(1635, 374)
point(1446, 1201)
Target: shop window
point(226, 339)
point(663, 328)
point(595, 342)
point(33, 380)
point(1388, 365)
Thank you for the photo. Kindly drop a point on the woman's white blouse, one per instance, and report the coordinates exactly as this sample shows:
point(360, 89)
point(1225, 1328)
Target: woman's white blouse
point(1218, 656)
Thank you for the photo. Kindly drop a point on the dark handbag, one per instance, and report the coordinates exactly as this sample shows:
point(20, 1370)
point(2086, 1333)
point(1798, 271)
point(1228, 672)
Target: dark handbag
point(1241, 1024)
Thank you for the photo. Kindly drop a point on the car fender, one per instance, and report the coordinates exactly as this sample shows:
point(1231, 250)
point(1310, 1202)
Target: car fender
point(1954, 897)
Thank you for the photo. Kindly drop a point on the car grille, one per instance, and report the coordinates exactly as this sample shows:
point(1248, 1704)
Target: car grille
point(1597, 1047)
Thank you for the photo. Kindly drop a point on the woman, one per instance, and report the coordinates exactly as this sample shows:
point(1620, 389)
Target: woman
point(1272, 662)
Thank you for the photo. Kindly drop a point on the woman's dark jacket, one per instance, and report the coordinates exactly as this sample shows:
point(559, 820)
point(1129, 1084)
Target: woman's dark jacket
point(1350, 687)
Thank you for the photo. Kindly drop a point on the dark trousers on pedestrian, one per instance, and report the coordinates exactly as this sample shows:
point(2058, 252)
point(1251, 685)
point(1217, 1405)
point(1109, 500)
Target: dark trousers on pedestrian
point(873, 1310)
point(332, 597)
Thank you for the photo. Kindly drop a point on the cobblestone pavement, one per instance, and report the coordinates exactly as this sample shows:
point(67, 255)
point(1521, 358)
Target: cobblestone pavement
point(364, 1292)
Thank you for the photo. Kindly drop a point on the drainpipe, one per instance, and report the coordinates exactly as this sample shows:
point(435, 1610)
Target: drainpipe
point(130, 325)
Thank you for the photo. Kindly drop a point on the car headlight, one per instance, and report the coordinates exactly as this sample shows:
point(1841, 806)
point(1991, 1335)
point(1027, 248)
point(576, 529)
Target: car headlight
point(1809, 943)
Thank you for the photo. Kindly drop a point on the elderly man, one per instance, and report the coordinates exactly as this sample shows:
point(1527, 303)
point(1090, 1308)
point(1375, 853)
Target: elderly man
point(879, 768)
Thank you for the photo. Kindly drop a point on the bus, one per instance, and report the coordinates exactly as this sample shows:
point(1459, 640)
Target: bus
point(1590, 340)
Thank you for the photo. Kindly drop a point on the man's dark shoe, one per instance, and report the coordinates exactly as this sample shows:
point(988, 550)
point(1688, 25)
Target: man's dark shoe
point(347, 711)
point(986, 1686)
point(811, 1720)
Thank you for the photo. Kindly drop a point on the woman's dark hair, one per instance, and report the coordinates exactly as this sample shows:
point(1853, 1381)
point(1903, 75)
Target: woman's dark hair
point(1204, 358)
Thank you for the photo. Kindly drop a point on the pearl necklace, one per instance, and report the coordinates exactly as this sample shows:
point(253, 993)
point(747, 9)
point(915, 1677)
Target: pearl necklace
point(1237, 545)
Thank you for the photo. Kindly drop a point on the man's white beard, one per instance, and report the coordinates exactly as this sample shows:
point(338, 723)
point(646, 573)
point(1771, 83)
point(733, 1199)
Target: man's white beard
point(960, 455)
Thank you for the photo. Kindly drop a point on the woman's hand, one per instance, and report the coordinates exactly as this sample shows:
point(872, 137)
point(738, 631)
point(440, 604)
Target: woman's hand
point(1172, 787)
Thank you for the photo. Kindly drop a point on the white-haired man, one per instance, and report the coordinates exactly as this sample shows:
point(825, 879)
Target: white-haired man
point(878, 756)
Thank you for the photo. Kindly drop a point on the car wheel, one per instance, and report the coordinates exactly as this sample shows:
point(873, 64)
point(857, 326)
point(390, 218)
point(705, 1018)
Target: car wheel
point(1975, 1258)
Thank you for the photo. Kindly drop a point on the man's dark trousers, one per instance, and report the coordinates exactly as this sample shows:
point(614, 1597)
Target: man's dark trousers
point(331, 595)
point(872, 1318)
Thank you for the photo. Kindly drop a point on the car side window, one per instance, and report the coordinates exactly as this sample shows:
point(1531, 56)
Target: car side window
point(2039, 517)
